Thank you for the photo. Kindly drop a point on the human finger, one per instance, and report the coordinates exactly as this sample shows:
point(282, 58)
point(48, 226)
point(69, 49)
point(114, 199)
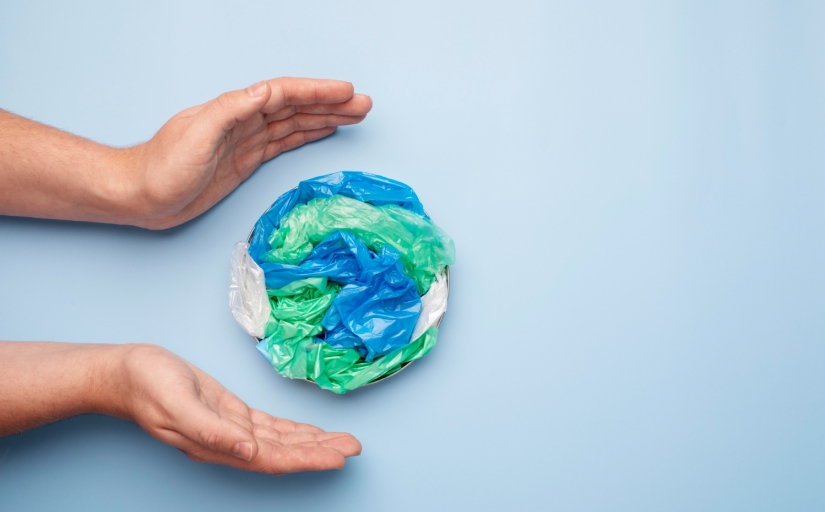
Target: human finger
point(294, 140)
point(281, 459)
point(345, 441)
point(221, 114)
point(358, 105)
point(195, 421)
point(272, 458)
point(282, 424)
point(306, 91)
point(303, 122)
point(341, 441)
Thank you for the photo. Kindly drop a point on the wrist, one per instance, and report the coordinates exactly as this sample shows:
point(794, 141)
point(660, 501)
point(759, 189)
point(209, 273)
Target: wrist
point(121, 192)
point(105, 389)
point(42, 382)
point(48, 173)
point(136, 199)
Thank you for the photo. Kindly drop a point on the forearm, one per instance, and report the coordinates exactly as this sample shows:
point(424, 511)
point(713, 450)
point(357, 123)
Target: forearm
point(42, 382)
point(194, 160)
point(48, 173)
point(169, 398)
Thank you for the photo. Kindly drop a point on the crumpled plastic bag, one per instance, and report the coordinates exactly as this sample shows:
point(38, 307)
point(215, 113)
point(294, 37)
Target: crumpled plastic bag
point(377, 309)
point(299, 308)
point(247, 293)
point(433, 305)
point(376, 314)
point(339, 370)
point(424, 248)
point(345, 306)
point(297, 311)
point(363, 186)
point(336, 257)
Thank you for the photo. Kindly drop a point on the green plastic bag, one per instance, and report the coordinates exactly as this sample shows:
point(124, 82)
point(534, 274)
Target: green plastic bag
point(424, 248)
point(339, 370)
point(297, 311)
point(291, 347)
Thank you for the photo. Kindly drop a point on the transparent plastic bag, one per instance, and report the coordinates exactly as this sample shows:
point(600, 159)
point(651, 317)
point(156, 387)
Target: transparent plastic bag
point(433, 305)
point(248, 300)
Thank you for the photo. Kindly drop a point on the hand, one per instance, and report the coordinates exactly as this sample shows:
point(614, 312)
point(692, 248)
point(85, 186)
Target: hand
point(191, 163)
point(204, 152)
point(178, 404)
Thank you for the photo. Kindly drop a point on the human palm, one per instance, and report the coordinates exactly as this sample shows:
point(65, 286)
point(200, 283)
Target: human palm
point(179, 404)
point(206, 151)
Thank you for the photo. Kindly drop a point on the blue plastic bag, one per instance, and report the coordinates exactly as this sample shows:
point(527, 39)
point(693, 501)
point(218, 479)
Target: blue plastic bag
point(335, 257)
point(375, 312)
point(369, 188)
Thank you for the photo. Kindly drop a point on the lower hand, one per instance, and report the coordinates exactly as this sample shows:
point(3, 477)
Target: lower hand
point(180, 405)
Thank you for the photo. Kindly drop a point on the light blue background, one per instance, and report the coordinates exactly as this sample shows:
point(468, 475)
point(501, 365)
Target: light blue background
point(637, 196)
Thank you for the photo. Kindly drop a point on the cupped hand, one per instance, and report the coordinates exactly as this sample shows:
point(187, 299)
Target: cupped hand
point(205, 152)
point(180, 405)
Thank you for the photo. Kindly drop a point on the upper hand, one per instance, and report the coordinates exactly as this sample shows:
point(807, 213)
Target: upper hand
point(179, 404)
point(204, 152)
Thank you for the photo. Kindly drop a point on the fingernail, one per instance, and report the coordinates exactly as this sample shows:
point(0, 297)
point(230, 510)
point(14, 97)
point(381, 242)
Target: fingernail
point(243, 450)
point(257, 90)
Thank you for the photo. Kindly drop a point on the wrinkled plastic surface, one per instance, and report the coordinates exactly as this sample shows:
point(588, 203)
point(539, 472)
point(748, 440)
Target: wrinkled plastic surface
point(433, 305)
point(378, 307)
point(424, 248)
point(248, 300)
point(336, 257)
point(377, 313)
point(297, 311)
point(362, 186)
point(339, 370)
point(346, 258)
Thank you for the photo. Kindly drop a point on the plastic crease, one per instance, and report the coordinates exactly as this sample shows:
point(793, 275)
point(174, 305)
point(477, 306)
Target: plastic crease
point(344, 280)
point(433, 306)
point(248, 299)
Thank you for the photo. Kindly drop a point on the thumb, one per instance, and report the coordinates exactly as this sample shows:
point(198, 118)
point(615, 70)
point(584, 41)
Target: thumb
point(222, 113)
point(209, 430)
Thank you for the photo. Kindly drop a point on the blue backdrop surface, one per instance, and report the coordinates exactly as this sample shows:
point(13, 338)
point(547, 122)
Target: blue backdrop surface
point(636, 195)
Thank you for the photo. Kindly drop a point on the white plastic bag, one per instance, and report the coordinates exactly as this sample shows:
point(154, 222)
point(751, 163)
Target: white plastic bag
point(248, 300)
point(433, 305)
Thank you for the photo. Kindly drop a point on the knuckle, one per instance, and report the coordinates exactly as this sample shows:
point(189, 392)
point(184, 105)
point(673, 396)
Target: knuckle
point(148, 350)
point(211, 439)
point(224, 101)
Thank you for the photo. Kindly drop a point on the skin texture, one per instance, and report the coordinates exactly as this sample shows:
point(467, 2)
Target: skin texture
point(172, 400)
point(196, 159)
